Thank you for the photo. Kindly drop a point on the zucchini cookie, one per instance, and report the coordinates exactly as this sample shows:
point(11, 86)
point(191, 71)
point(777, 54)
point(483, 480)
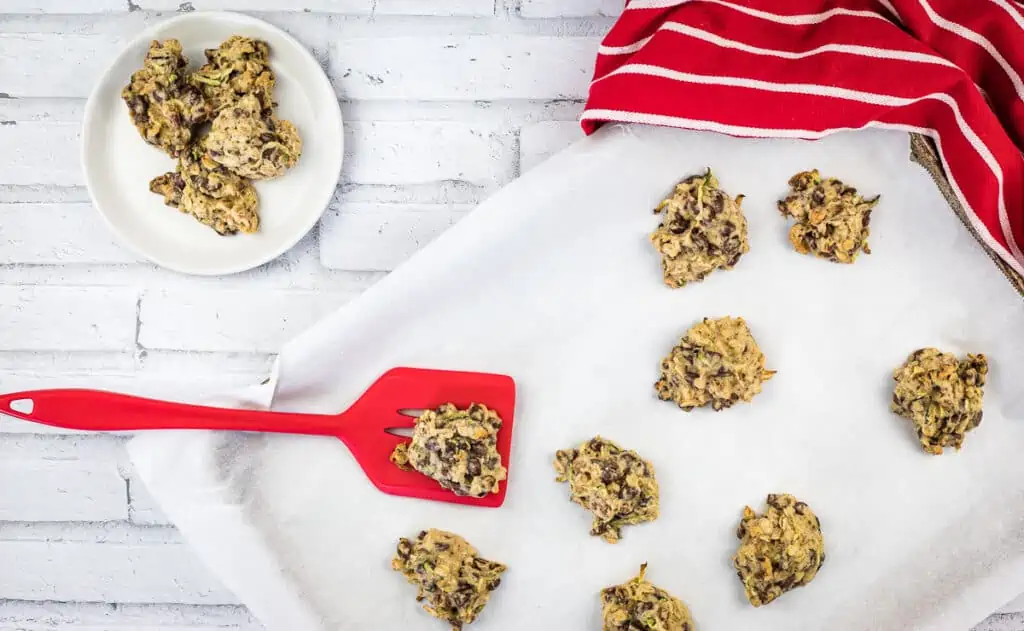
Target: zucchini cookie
point(215, 196)
point(239, 66)
point(457, 448)
point(637, 604)
point(831, 218)
point(162, 104)
point(703, 229)
point(940, 395)
point(716, 362)
point(614, 484)
point(779, 550)
point(251, 143)
point(448, 574)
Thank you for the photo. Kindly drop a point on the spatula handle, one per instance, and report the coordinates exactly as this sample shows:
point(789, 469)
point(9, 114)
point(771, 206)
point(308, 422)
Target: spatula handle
point(99, 411)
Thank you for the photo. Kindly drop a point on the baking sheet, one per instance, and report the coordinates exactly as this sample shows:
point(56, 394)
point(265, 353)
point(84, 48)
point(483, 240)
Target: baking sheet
point(553, 281)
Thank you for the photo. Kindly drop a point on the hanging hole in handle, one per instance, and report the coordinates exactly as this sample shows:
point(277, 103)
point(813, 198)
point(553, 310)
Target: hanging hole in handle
point(23, 406)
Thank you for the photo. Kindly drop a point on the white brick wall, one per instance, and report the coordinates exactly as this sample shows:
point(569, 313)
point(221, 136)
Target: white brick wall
point(85, 571)
point(418, 152)
point(476, 67)
point(569, 8)
point(75, 234)
point(39, 152)
point(380, 236)
point(233, 320)
point(33, 489)
point(445, 102)
point(43, 318)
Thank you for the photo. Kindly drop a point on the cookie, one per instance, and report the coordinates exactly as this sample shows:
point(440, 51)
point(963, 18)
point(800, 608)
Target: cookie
point(717, 362)
point(449, 575)
point(215, 196)
point(251, 144)
point(831, 218)
point(170, 185)
point(616, 485)
point(239, 66)
point(638, 604)
point(457, 448)
point(941, 396)
point(703, 229)
point(780, 550)
point(163, 106)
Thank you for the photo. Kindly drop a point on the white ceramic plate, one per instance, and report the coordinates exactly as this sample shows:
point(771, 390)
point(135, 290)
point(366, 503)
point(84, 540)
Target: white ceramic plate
point(119, 164)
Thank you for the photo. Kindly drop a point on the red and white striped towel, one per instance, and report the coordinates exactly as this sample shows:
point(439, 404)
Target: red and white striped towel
point(949, 69)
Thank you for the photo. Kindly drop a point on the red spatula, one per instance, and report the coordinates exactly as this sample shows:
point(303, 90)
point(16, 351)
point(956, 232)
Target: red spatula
point(363, 427)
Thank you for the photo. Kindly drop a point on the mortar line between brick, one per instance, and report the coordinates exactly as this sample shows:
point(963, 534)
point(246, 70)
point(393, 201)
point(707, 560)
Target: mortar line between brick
point(517, 154)
point(139, 350)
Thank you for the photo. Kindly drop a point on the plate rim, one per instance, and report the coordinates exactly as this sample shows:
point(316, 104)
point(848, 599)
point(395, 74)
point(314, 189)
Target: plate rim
point(90, 114)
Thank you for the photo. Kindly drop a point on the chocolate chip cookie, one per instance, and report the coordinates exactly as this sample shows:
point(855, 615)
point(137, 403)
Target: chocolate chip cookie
point(703, 229)
point(252, 144)
point(616, 485)
point(941, 395)
point(239, 66)
point(457, 448)
point(449, 574)
point(164, 107)
point(717, 362)
point(639, 605)
point(209, 192)
point(831, 218)
point(780, 550)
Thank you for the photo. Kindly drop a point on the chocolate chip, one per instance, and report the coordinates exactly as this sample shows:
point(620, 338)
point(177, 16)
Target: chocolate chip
point(609, 473)
point(404, 548)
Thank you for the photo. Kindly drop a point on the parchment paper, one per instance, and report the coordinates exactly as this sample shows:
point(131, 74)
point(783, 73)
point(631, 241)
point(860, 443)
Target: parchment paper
point(553, 281)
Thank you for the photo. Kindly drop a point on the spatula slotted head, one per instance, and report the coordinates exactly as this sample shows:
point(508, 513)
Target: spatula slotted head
point(380, 408)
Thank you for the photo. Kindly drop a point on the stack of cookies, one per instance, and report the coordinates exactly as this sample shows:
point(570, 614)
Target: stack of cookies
point(219, 123)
